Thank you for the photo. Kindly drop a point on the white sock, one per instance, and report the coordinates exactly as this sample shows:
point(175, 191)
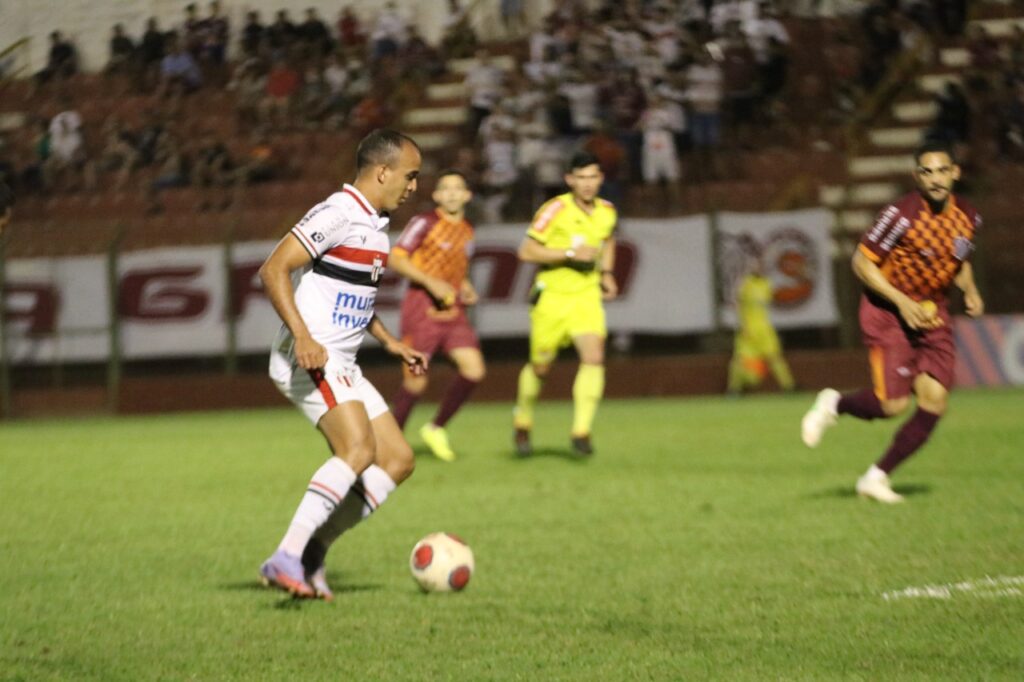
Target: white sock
point(327, 489)
point(875, 474)
point(368, 493)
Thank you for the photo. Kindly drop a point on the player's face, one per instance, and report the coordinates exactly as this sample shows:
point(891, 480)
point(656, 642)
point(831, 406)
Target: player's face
point(399, 180)
point(935, 175)
point(585, 182)
point(451, 194)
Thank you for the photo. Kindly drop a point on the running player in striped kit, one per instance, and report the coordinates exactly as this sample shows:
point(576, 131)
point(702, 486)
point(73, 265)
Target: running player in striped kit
point(339, 249)
point(433, 252)
point(917, 250)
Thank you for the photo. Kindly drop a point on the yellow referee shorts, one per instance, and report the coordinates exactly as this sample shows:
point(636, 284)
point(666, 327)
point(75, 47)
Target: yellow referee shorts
point(556, 319)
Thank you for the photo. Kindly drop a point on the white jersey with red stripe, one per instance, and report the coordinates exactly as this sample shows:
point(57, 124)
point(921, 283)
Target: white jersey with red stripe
point(348, 242)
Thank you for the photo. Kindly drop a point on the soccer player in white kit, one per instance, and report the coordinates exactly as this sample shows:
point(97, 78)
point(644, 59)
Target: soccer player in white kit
point(339, 250)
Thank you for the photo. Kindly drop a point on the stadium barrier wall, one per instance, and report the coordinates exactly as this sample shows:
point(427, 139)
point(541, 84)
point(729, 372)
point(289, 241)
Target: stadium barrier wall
point(194, 301)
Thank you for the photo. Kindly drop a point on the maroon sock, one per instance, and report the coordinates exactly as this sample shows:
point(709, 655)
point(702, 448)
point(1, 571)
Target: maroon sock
point(911, 436)
point(457, 394)
point(863, 404)
point(402, 404)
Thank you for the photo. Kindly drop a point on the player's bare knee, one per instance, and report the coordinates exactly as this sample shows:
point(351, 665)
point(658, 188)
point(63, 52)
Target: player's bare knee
point(475, 373)
point(415, 384)
point(398, 463)
point(895, 406)
point(541, 370)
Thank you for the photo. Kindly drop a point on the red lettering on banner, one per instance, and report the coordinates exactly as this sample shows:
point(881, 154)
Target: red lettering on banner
point(504, 268)
point(40, 313)
point(161, 294)
point(626, 258)
point(245, 284)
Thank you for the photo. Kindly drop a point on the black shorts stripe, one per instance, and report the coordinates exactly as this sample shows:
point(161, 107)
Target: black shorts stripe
point(345, 274)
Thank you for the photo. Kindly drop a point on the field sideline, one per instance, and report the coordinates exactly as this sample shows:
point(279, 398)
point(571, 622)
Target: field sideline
point(702, 542)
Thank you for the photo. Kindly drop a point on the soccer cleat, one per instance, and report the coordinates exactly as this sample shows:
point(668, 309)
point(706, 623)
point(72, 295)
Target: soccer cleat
point(436, 439)
point(877, 488)
point(582, 446)
point(285, 571)
point(318, 581)
point(521, 438)
point(313, 566)
point(821, 416)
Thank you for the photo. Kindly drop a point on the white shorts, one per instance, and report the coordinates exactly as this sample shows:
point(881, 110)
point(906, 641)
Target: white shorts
point(660, 164)
point(317, 391)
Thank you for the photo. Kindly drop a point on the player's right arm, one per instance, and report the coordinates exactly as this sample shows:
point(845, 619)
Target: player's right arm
point(912, 312)
point(276, 274)
point(532, 251)
point(440, 290)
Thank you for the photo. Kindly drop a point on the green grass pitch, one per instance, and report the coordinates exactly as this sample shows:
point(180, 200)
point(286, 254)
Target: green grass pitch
point(703, 541)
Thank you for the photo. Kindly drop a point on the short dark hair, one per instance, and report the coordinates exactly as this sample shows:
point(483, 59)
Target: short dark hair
point(582, 160)
point(934, 147)
point(381, 147)
point(6, 199)
point(453, 171)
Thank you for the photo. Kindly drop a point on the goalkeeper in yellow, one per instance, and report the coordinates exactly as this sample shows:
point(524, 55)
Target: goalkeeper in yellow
point(571, 240)
point(757, 346)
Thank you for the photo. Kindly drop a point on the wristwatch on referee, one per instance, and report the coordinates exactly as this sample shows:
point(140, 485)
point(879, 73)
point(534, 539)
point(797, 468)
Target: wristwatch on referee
point(570, 254)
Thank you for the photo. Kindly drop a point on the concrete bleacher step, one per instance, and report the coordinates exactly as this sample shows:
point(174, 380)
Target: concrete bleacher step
point(426, 116)
point(875, 166)
point(446, 91)
point(905, 137)
point(999, 28)
point(433, 141)
point(855, 221)
point(859, 194)
point(462, 66)
point(955, 57)
point(922, 111)
point(936, 82)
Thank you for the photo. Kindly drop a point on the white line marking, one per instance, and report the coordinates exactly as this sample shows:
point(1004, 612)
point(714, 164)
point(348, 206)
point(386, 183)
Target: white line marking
point(988, 587)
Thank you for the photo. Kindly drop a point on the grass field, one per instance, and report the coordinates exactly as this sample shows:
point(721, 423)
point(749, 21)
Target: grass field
point(702, 542)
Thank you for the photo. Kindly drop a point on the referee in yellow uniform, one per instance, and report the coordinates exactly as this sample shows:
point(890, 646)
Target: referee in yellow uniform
point(571, 240)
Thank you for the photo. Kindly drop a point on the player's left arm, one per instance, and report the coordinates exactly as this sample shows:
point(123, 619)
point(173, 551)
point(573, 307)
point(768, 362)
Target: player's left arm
point(415, 360)
point(467, 293)
point(609, 287)
point(973, 302)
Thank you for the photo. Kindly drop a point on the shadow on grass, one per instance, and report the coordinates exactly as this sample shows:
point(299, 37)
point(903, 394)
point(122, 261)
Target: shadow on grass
point(848, 491)
point(563, 453)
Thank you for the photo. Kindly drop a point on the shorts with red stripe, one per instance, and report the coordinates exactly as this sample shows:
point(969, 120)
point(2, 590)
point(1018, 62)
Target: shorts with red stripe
point(317, 391)
point(898, 354)
point(430, 330)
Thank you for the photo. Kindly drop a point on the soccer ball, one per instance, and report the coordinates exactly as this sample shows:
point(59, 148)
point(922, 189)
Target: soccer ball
point(441, 562)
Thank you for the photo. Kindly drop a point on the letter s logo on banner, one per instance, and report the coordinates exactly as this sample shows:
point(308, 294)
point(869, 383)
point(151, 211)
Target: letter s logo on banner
point(162, 294)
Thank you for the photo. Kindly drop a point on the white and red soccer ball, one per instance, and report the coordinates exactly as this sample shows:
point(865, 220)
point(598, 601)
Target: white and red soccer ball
point(441, 562)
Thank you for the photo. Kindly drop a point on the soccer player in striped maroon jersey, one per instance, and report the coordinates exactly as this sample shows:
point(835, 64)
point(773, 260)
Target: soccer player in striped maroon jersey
point(433, 252)
point(918, 248)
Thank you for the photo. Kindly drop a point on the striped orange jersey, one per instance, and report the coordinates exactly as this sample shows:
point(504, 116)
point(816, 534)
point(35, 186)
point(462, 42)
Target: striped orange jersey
point(918, 251)
point(438, 246)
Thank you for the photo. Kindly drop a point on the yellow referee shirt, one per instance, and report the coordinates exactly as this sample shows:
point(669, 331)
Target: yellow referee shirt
point(562, 224)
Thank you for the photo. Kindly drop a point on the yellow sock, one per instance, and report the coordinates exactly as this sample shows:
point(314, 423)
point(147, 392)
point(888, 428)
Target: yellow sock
point(586, 394)
point(529, 389)
point(781, 371)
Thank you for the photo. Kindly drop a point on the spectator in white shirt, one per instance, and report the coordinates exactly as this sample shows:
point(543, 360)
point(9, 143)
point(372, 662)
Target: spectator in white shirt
point(483, 85)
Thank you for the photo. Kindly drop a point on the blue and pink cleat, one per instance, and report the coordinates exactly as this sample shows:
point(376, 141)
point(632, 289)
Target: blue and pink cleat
point(285, 571)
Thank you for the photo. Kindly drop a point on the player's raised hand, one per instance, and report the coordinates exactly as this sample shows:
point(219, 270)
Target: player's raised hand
point(442, 292)
point(310, 354)
point(586, 253)
point(467, 293)
point(416, 361)
point(609, 287)
point(973, 303)
point(918, 316)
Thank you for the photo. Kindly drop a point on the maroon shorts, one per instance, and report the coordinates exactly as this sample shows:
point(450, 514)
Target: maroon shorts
point(898, 354)
point(429, 330)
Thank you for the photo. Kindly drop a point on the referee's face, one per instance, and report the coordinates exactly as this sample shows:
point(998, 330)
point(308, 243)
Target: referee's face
point(585, 182)
point(399, 180)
